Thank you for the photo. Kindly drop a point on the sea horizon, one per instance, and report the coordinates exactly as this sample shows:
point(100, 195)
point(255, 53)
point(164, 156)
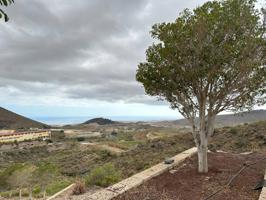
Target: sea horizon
point(65, 120)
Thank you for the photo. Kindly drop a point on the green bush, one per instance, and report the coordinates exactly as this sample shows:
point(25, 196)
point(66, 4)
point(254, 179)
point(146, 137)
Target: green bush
point(8, 172)
point(104, 154)
point(56, 186)
point(49, 141)
point(80, 139)
point(233, 130)
point(103, 176)
point(5, 194)
point(242, 142)
point(36, 190)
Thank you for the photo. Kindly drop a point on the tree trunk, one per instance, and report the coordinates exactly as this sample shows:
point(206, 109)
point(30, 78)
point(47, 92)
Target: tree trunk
point(210, 125)
point(20, 193)
point(202, 153)
point(30, 193)
point(44, 193)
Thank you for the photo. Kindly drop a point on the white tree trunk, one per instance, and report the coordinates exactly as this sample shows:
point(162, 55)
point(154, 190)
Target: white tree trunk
point(30, 194)
point(20, 195)
point(44, 194)
point(202, 153)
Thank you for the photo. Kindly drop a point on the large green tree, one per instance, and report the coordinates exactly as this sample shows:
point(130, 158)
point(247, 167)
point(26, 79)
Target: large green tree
point(209, 60)
point(2, 13)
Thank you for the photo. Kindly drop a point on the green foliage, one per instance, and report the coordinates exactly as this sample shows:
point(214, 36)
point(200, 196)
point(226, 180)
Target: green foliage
point(5, 194)
point(210, 58)
point(22, 178)
point(6, 2)
point(80, 139)
point(45, 173)
point(52, 188)
point(2, 13)
point(245, 138)
point(127, 136)
point(242, 142)
point(8, 172)
point(49, 141)
point(233, 130)
point(104, 154)
point(58, 135)
point(103, 176)
point(36, 190)
point(56, 186)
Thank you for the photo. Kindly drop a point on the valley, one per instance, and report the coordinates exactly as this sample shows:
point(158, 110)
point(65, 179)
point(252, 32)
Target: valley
point(126, 148)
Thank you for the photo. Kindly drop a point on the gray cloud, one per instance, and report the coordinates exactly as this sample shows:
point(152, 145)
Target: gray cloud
point(81, 49)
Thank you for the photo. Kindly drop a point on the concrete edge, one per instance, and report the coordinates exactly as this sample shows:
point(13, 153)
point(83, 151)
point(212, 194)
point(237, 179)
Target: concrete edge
point(263, 191)
point(139, 178)
point(61, 192)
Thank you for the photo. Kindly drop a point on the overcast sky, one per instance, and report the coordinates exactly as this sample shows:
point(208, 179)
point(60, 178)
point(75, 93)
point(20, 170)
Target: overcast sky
point(79, 58)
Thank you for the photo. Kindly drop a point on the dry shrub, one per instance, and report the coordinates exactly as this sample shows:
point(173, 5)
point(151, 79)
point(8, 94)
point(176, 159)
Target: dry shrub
point(79, 188)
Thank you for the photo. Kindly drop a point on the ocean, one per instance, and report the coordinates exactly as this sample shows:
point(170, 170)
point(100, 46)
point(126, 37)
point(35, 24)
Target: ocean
point(80, 119)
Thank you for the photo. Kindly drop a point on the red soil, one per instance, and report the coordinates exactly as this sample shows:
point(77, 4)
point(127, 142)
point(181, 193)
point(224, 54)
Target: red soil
point(185, 183)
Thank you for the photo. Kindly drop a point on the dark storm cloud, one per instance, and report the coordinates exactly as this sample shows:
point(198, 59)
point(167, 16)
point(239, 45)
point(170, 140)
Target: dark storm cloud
point(84, 49)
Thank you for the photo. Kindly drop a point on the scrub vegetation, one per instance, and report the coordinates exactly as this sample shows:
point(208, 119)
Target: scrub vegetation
point(63, 162)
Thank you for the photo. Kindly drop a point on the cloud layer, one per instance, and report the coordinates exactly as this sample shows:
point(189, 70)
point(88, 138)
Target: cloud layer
point(78, 50)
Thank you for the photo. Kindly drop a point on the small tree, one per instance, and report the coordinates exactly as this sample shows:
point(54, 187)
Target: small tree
point(21, 178)
point(208, 61)
point(2, 13)
point(44, 174)
point(16, 180)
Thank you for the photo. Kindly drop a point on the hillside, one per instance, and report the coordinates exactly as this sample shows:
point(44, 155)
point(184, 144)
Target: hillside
point(100, 121)
point(11, 120)
point(225, 120)
point(73, 158)
point(241, 138)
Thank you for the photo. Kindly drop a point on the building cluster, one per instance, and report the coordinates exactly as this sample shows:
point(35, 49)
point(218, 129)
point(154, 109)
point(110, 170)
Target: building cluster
point(13, 136)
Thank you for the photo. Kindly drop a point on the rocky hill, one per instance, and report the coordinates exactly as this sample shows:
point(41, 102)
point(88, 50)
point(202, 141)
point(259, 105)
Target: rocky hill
point(100, 121)
point(11, 120)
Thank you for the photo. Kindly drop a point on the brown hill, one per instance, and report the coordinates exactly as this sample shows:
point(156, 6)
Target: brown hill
point(233, 119)
point(100, 121)
point(241, 138)
point(11, 120)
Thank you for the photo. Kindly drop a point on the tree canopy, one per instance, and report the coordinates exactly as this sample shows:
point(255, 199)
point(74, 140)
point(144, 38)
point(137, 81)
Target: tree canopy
point(2, 13)
point(209, 60)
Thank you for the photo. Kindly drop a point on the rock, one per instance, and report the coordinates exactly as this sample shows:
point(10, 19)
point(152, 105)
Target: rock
point(246, 153)
point(172, 171)
point(260, 185)
point(168, 161)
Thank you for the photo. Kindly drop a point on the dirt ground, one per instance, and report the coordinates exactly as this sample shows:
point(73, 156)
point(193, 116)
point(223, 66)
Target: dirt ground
point(184, 183)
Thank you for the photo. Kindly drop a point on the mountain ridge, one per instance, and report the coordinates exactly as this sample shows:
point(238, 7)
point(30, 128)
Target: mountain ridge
point(233, 119)
point(12, 120)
